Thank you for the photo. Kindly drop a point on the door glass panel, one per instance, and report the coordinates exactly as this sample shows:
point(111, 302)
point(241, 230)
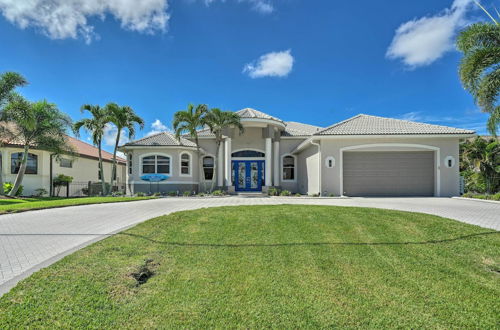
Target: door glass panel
point(254, 175)
point(241, 175)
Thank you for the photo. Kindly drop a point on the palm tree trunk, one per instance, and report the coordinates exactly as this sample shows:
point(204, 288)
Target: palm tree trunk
point(113, 171)
point(199, 164)
point(101, 169)
point(20, 173)
point(216, 162)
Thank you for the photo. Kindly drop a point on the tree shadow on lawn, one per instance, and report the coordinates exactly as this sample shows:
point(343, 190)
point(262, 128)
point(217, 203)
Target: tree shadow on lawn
point(243, 245)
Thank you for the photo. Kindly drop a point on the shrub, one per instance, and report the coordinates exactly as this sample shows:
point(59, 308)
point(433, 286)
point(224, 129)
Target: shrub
point(285, 193)
point(117, 193)
point(218, 193)
point(314, 195)
point(157, 194)
point(298, 195)
point(60, 181)
point(40, 192)
point(7, 187)
point(273, 192)
point(331, 195)
point(201, 194)
point(140, 194)
point(172, 193)
point(186, 193)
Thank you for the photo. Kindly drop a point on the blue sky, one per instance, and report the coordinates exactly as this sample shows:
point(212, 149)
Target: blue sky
point(316, 62)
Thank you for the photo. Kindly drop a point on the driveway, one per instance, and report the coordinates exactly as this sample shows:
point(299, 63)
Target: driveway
point(33, 240)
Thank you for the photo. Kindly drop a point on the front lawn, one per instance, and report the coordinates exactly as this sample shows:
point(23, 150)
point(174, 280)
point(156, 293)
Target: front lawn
point(271, 266)
point(26, 204)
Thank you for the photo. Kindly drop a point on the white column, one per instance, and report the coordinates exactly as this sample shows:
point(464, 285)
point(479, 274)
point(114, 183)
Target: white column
point(228, 162)
point(268, 162)
point(220, 166)
point(276, 163)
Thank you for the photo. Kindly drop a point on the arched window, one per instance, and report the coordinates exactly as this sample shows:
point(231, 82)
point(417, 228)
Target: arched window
point(185, 164)
point(31, 165)
point(288, 168)
point(208, 168)
point(248, 154)
point(156, 164)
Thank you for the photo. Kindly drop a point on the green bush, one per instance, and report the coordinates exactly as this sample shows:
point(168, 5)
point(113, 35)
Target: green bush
point(186, 193)
point(218, 193)
point(331, 195)
point(314, 195)
point(157, 194)
point(140, 194)
point(495, 197)
point(273, 192)
point(40, 192)
point(7, 187)
point(172, 193)
point(298, 195)
point(285, 193)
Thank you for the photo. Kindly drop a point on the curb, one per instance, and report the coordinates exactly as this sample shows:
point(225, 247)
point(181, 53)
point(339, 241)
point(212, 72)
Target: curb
point(477, 200)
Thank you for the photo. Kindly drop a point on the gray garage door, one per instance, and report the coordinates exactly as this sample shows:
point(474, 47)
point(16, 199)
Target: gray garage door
point(389, 173)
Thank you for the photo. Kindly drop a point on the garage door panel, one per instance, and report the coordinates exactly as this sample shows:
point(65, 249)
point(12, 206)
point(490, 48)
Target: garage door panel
point(389, 173)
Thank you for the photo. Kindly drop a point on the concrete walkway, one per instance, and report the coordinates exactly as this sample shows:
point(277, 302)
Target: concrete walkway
point(33, 240)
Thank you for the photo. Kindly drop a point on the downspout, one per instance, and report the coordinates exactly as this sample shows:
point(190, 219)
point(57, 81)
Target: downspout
point(51, 176)
point(319, 165)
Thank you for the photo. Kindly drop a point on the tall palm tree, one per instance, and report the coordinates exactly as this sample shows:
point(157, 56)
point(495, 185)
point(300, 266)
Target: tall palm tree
point(479, 69)
point(8, 83)
point(482, 156)
point(95, 126)
point(218, 120)
point(123, 117)
point(189, 121)
point(36, 124)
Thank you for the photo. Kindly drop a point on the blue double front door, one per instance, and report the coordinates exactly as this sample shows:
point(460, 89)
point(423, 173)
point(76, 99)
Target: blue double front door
point(248, 175)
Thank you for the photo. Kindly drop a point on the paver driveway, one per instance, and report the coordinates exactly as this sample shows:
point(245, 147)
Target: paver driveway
point(32, 240)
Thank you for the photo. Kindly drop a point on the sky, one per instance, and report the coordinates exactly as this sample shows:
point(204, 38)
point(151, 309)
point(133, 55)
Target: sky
point(317, 62)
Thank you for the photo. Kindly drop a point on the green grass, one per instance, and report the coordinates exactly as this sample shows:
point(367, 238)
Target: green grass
point(272, 266)
point(493, 197)
point(27, 204)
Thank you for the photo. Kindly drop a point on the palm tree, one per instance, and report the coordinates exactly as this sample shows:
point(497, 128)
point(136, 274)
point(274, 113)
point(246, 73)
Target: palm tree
point(479, 69)
point(188, 122)
point(95, 126)
point(218, 120)
point(123, 118)
point(36, 124)
point(482, 156)
point(8, 82)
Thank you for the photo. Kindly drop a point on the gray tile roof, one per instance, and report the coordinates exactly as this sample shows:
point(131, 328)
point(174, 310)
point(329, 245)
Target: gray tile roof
point(373, 125)
point(252, 113)
point(299, 129)
point(161, 139)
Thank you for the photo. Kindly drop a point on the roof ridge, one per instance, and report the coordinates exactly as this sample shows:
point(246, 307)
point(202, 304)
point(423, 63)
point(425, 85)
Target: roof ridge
point(339, 123)
point(148, 136)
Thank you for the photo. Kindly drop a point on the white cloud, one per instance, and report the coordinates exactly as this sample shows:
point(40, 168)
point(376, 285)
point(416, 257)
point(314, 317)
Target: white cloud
point(261, 6)
point(62, 19)
point(157, 127)
point(422, 41)
point(109, 137)
point(121, 154)
point(275, 64)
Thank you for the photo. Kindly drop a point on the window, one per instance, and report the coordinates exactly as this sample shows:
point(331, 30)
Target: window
point(129, 163)
point(31, 165)
point(156, 164)
point(330, 162)
point(208, 168)
point(63, 162)
point(288, 168)
point(248, 154)
point(449, 161)
point(185, 164)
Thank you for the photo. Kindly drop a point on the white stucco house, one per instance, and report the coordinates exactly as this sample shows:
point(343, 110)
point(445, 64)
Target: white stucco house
point(360, 156)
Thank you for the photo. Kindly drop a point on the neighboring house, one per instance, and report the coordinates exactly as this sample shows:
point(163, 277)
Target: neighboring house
point(361, 156)
point(42, 167)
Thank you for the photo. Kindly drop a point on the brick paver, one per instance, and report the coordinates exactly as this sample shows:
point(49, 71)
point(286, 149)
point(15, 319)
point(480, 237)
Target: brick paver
point(32, 240)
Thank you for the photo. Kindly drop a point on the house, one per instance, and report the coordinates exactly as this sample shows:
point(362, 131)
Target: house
point(361, 156)
point(42, 167)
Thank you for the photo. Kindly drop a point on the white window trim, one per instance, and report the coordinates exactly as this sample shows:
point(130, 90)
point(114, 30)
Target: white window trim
point(327, 160)
point(190, 174)
point(453, 162)
point(203, 169)
point(295, 171)
point(155, 154)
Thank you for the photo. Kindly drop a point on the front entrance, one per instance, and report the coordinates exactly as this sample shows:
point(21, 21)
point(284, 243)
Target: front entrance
point(248, 175)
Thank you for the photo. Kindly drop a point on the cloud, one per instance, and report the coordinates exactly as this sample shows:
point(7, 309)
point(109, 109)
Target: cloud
point(157, 127)
point(62, 19)
point(275, 64)
point(109, 137)
point(422, 41)
point(474, 120)
point(261, 6)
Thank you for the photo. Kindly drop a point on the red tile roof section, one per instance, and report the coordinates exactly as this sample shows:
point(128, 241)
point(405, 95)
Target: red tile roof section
point(89, 150)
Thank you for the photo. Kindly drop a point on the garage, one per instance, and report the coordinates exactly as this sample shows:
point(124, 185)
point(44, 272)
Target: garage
point(388, 173)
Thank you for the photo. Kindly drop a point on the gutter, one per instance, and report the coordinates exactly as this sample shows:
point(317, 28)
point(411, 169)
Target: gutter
point(318, 144)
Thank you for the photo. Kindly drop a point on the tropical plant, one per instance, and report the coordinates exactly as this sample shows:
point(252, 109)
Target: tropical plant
point(7, 188)
point(95, 126)
point(218, 120)
point(60, 181)
point(189, 121)
point(480, 161)
point(8, 83)
point(36, 124)
point(123, 117)
point(479, 69)
point(40, 192)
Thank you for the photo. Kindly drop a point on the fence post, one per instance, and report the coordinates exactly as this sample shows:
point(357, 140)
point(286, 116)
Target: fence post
point(67, 189)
